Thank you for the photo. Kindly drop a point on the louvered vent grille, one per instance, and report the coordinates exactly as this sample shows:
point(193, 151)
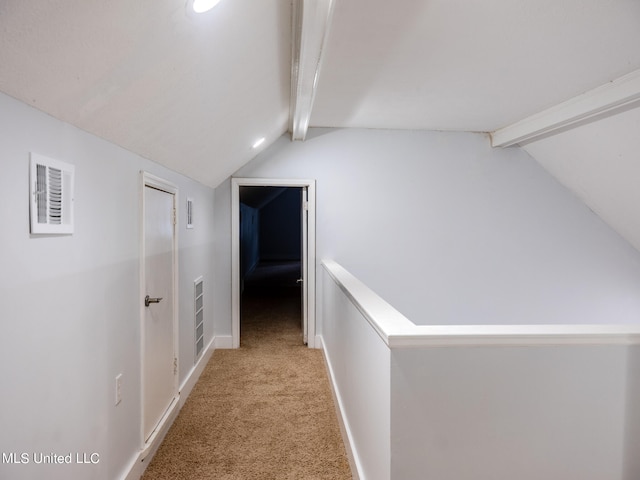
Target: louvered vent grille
point(189, 213)
point(51, 196)
point(55, 196)
point(199, 316)
point(41, 193)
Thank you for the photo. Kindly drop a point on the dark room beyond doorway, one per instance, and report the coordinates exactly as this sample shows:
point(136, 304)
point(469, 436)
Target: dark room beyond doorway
point(270, 258)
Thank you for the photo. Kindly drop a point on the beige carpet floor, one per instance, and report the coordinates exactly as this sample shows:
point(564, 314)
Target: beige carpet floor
point(263, 411)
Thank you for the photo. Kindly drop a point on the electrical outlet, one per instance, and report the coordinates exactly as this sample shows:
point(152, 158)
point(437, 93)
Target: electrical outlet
point(118, 389)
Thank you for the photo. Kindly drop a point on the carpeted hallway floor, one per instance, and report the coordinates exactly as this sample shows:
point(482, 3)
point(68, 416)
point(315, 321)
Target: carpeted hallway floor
point(264, 411)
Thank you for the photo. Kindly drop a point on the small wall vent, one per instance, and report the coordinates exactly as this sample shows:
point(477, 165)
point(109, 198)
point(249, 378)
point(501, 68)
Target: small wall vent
point(198, 288)
point(189, 212)
point(51, 188)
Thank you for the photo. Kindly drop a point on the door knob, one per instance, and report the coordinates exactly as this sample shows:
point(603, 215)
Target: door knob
point(148, 300)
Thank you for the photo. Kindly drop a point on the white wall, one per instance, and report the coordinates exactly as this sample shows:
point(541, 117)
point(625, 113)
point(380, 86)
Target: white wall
point(222, 261)
point(481, 413)
point(451, 231)
point(69, 305)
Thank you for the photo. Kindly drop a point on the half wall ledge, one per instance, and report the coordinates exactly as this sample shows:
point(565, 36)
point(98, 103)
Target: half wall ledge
point(397, 331)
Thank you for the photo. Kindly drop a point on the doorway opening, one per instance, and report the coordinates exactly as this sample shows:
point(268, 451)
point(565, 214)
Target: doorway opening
point(273, 252)
point(270, 262)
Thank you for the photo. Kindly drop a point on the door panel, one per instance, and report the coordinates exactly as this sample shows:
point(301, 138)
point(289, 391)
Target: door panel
point(158, 327)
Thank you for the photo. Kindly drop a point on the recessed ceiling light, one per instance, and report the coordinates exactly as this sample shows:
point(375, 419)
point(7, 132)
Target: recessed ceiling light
point(201, 6)
point(259, 142)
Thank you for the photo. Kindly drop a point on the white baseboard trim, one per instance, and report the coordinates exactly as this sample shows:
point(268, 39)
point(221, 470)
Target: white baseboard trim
point(148, 451)
point(139, 464)
point(223, 341)
point(196, 371)
point(134, 470)
point(347, 436)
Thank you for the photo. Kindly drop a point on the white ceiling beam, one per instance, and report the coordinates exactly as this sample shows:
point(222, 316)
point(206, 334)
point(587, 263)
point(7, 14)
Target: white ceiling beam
point(609, 99)
point(311, 21)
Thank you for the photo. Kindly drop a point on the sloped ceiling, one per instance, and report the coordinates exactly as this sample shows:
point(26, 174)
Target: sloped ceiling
point(465, 64)
point(600, 163)
point(193, 92)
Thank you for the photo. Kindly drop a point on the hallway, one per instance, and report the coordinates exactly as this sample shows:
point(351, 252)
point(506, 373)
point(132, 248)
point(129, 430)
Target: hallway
point(264, 410)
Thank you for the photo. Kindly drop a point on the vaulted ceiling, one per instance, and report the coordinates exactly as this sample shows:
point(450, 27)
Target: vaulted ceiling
point(194, 92)
point(466, 64)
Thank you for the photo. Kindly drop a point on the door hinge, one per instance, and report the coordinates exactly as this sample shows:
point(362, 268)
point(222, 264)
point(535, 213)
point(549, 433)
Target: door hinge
point(175, 365)
point(174, 217)
point(305, 205)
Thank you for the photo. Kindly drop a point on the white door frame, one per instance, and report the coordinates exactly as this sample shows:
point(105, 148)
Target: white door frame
point(149, 180)
point(309, 283)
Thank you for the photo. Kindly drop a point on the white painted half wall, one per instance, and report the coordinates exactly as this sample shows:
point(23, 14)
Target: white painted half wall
point(451, 231)
point(526, 412)
point(359, 368)
point(530, 408)
point(69, 306)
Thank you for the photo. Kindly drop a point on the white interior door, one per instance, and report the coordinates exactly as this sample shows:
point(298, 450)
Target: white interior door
point(159, 368)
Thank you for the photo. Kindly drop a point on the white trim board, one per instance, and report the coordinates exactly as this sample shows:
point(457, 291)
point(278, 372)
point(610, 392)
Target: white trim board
point(310, 281)
point(311, 22)
point(223, 341)
point(144, 457)
point(355, 463)
point(618, 95)
point(195, 372)
point(136, 468)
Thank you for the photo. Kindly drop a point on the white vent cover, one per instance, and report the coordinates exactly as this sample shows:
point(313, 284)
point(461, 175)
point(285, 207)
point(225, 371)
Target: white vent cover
point(199, 315)
point(189, 212)
point(51, 196)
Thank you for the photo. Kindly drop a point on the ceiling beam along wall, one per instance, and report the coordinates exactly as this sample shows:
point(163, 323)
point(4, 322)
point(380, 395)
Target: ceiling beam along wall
point(613, 97)
point(311, 20)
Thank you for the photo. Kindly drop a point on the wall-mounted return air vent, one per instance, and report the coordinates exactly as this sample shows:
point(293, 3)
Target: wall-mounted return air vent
point(199, 315)
point(51, 196)
point(189, 212)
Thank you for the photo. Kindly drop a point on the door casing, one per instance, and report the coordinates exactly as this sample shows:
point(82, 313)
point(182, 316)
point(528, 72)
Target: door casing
point(149, 180)
point(309, 280)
